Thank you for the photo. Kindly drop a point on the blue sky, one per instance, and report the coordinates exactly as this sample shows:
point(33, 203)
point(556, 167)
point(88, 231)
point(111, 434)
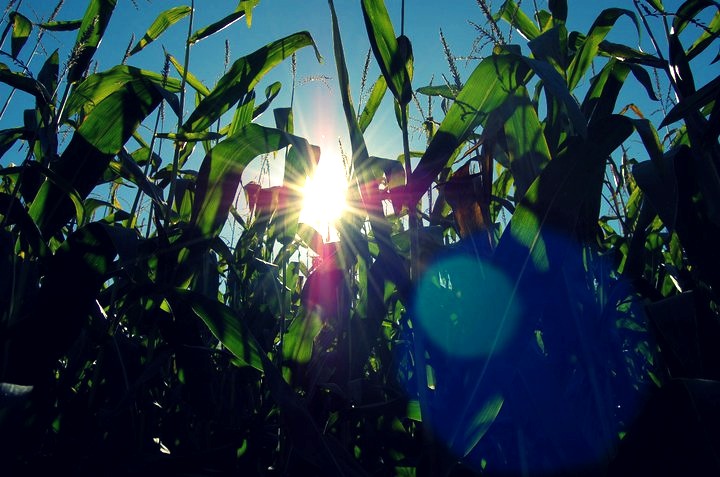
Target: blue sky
point(317, 110)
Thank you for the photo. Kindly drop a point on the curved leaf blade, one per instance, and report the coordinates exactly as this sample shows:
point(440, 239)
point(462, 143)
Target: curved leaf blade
point(222, 168)
point(242, 77)
point(591, 45)
point(94, 22)
point(21, 27)
point(163, 21)
point(386, 48)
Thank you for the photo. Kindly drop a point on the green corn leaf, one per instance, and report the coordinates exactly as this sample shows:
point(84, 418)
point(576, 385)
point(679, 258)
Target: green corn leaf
point(192, 137)
point(224, 323)
point(511, 13)
point(24, 83)
point(706, 37)
point(242, 77)
point(191, 78)
point(216, 27)
point(96, 88)
point(222, 167)
point(630, 55)
point(299, 338)
point(688, 12)
point(271, 92)
point(524, 141)
point(163, 21)
point(8, 137)
point(591, 45)
point(555, 202)
point(68, 25)
point(21, 31)
point(495, 77)
point(94, 22)
point(392, 59)
point(100, 137)
point(377, 93)
point(14, 213)
point(604, 88)
point(693, 103)
point(49, 73)
point(444, 91)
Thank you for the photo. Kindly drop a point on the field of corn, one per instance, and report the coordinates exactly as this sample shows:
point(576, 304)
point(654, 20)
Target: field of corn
point(534, 293)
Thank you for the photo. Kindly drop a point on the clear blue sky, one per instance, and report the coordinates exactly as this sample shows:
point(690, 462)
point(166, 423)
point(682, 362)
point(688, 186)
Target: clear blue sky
point(317, 104)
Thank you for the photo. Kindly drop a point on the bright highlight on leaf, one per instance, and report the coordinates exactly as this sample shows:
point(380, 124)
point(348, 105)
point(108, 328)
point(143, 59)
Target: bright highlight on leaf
point(324, 197)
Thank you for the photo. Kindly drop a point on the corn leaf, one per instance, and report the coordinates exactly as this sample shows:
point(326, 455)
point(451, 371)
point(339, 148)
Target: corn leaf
point(100, 137)
point(222, 167)
point(96, 18)
point(242, 77)
point(391, 58)
point(96, 88)
point(706, 37)
point(555, 201)
point(693, 103)
point(21, 31)
point(216, 27)
point(496, 77)
point(511, 13)
point(224, 323)
point(191, 78)
point(524, 142)
point(67, 25)
point(49, 73)
point(24, 83)
point(591, 45)
point(163, 21)
point(688, 12)
point(377, 93)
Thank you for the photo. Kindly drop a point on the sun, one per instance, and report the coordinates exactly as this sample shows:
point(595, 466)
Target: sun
point(324, 197)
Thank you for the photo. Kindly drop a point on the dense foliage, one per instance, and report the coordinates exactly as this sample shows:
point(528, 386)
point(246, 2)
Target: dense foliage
point(526, 296)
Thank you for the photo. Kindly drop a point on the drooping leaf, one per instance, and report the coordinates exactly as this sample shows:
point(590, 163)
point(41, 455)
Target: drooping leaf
point(221, 170)
point(94, 22)
point(242, 77)
point(216, 27)
point(390, 56)
point(163, 21)
point(21, 31)
point(559, 10)
point(708, 35)
point(96, 88)
point(191, 78)
point(591, 45)
point(101, 136)
point(511, 13)
point(24, 83)
point(693, 103)
point(224, 323)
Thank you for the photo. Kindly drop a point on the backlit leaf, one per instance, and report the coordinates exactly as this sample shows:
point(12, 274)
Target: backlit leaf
point(386, 48)
point(21, 31)
point(163, 21)
point(92, 29)
point(242, 77)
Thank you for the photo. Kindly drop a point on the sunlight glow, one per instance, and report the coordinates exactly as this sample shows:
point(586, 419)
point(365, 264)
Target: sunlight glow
point(324, 197)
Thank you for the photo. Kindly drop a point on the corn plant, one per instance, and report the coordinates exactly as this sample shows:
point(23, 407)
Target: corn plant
point(545, 312)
